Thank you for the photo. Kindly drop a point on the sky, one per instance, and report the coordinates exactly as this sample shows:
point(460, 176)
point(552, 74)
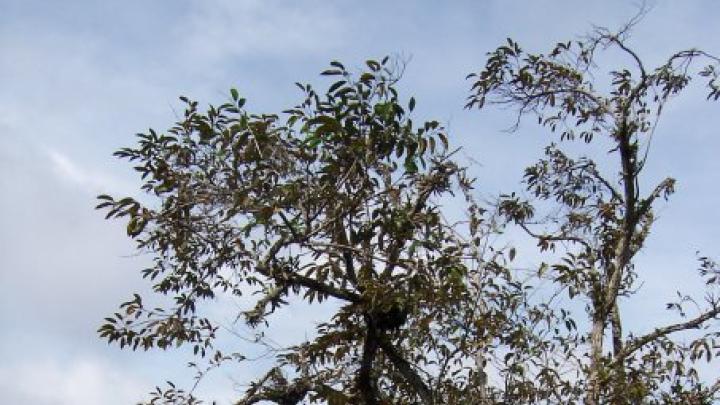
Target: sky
point(79, 78)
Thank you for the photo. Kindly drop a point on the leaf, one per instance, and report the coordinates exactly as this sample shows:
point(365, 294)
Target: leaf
point(444, 140)
point(135, 226)
point(336, 86)
point(367, 77)
point(373, 65)
point(324, 129)
point(411, 104)
point(312, 141)
point(410, 166)
point(325, 120)
point(332, 72)
point(264, 214)
point(234, 93)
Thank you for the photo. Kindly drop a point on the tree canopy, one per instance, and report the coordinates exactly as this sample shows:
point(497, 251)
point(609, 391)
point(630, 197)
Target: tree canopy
point(342, 199)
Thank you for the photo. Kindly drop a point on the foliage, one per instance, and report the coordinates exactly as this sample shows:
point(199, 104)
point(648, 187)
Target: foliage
point(335, 202)
point(598, 222)
point(340, 200)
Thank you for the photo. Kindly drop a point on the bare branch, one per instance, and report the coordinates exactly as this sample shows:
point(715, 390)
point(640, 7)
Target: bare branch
point(556, 238)
point(639, 342)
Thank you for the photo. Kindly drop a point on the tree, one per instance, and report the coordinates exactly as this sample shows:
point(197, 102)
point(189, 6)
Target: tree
point(334, 203)
point(596, 222)
point(340, 200)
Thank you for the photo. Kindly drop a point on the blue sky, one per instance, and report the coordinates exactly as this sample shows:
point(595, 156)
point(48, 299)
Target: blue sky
point(78, 78)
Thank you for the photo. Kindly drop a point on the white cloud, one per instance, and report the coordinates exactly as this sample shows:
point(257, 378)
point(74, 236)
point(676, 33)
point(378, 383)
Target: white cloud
point(237, 28)
point(89, 180)
point(68, 170)
point(85, 381)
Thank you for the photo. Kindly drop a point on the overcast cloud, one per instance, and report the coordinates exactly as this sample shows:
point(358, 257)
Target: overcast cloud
point(78, 78)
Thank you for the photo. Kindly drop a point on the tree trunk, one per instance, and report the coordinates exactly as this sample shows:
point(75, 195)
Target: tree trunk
point(596, 364)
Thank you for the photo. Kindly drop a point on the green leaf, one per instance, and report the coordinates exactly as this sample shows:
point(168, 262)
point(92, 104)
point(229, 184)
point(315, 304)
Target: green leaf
point(312, 141)
point(367, 77)
point(325, 120)
point(332, 72)
point(234, 93)
point(336, 86)
point(135, 226)
point(410, 166)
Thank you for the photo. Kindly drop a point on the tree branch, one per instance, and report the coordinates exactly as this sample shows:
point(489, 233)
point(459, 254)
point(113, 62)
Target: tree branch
point(284, 277)
point(664, 186)
point(280, 392)
point(406, 370)
point(554, 238)
point(638, 343)
point(365, 383)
